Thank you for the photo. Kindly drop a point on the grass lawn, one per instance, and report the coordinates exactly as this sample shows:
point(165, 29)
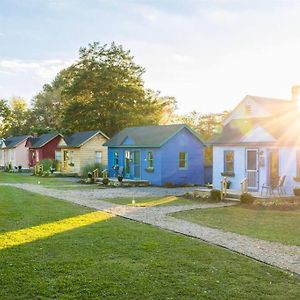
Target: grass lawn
point(152, 201)
point(122, 259)
point(6, 177)
point(272, 225)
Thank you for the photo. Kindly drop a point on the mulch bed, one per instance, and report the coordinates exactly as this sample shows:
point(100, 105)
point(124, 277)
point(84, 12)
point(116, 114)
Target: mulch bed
point(282, 204)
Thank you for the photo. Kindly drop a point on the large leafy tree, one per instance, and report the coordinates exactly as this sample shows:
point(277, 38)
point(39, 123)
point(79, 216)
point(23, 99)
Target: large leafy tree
point(207, 125)
point(46, 111)
point(5, 118)
point(105, 89)
point(19, 114)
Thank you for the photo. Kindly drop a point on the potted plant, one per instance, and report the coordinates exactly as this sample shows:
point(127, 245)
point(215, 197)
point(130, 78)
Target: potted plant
point(296, 191)
point(228, 184)
point(52, 169)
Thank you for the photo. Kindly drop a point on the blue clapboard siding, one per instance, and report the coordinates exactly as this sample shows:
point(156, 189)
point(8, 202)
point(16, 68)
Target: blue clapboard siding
point(165, 156)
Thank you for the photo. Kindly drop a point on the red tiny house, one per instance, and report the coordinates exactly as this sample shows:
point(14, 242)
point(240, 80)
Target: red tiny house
point(42, 147)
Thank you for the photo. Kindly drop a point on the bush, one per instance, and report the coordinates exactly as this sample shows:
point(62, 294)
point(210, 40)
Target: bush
point(89, 168)
point(105, 181)
point(168, 184)
point(47, 164)
point(8, 168)
point(247, 198)
point(215, 195)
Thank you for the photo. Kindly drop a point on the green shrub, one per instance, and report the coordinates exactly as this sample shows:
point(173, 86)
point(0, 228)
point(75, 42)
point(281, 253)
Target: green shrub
point(105, 181)
point(215, 195)
point(168, 184)
point(47, 164)
point(8, 168)
point(247, 198)
point(90, 168)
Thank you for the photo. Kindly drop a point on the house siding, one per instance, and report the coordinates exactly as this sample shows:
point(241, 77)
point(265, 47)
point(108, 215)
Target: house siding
point(153, 177)
point(183, 141)
point(286, 159)
point(17, 156)
point(218, 166)
point(166, 160)
point(88, 151)
point(86, 154)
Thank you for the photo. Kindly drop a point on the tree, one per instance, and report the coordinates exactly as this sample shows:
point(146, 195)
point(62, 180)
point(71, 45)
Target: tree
point(46, 106)
point(19, 113)
point(104, 89)
point(207, 125)
point(5, 118)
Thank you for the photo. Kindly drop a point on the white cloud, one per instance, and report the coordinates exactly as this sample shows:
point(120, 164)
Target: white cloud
point(45, 69)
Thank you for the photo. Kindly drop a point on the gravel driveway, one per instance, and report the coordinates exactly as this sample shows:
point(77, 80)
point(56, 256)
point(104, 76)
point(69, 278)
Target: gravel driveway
point(276, 254)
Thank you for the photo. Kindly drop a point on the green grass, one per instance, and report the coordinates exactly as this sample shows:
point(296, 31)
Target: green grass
point(25, 178)
point(20, 209)
point(121, 259)
point(128, 201)
point(272, 225)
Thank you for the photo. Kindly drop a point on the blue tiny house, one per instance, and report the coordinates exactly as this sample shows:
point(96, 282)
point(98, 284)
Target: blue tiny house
point(158, 154)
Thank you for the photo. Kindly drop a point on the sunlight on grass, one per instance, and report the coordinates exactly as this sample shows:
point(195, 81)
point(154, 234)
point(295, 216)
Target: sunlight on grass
point(155, 202)
point(27, 235)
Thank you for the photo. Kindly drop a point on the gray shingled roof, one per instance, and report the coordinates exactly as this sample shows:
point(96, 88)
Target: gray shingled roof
point(37, 142)
point(147, 136)
point(13, 141)
point(78, 138)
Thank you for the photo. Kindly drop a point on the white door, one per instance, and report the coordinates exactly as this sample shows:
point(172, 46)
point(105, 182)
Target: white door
point(252, 168)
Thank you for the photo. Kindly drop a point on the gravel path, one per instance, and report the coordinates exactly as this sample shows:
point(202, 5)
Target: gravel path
point(276, 254)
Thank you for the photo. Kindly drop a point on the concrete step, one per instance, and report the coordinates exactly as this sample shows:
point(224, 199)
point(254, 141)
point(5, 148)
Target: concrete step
point(231, 199)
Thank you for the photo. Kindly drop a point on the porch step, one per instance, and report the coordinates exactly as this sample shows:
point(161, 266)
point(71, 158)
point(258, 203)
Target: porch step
point(232, 199)
point(235, 196)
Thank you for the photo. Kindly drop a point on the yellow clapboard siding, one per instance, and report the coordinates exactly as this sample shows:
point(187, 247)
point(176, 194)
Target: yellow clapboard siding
point(86, 154)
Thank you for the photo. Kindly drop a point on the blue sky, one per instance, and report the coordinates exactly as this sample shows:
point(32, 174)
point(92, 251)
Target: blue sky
point(208, 53)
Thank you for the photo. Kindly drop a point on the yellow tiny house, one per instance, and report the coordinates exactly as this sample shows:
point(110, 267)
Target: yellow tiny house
point(80, 149)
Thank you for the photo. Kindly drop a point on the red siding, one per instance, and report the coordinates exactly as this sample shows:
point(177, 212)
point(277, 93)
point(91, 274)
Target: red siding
point(47, 151)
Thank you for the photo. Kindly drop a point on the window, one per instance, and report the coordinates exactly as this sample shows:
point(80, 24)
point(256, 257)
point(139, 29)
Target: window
point(183, 164)
point(248, 109)
point(98, 157)
point(229, 161)
point(150, 164)
point(58, 155)
point(116, 158)
point(298, 163)
point(71, 157)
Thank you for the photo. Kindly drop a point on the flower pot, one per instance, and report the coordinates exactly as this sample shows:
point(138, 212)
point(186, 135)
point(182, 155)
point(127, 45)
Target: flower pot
point(297, 192)
point(120, 178)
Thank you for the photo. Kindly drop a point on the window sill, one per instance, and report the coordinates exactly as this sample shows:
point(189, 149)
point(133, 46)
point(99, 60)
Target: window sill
point(227, 174)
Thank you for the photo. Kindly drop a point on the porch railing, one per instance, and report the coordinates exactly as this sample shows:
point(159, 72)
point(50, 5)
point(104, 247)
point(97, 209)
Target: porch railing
point(38, 169)
point(105, 174)
point(224, 184)
point(96, 174)
point(244, 185)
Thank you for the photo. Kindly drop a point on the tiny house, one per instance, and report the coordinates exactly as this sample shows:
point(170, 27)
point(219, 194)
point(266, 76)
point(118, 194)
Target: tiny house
point(13, 152)
point(159, 154)
point(260, 143)
point(42, 147)
point(80, 149)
